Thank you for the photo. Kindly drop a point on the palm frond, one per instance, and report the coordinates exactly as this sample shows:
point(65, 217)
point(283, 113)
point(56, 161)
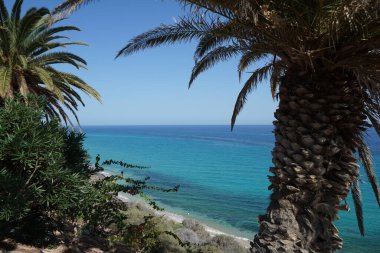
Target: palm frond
point(213, 57)
point(60, 57)
point(67, 7)
point(16, 10)
point(366, 159)
point(219, 34)
point(224, 8)
point(275, 79)
point(4, 15)
point(249, 57)
point(357, 198)
point(184, 31)
point(5, 81)
point(257, 76)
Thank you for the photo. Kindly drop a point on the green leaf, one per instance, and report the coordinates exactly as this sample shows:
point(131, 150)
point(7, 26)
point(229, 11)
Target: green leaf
point(5, 81)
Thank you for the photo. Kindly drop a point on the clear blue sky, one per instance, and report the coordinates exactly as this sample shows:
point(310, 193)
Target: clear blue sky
point(150, 88)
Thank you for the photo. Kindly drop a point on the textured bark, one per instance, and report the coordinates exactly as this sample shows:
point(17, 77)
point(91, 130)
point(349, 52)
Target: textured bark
point(314, 164)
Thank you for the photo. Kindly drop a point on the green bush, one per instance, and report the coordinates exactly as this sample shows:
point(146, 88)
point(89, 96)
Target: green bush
point(37, 189)
point(227, 244)
point(198, 228)
point(207, 249)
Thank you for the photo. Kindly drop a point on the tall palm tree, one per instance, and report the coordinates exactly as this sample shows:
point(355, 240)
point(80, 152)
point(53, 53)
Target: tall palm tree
point(29, 51)
point(323, 62)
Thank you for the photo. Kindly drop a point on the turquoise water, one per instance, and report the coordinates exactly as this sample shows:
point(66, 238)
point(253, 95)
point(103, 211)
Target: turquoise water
point(222, 175)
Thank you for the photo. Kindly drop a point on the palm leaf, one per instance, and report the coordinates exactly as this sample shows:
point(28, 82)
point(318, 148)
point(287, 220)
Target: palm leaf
point(185, 30)
point(256, 77)
point(16, 10)
point(357, 197)
point(68, 7)
point(48, 81)
point(209, 60)
point(3, 12)
point(247, 59)
point(366, 159)
point(5, 80)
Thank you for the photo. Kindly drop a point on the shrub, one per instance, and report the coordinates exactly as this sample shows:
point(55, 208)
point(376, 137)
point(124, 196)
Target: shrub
point(187, 236)
point(37, 190)
point(169, 244)
point(227, 244)
point(198, 228)
point(207, 249)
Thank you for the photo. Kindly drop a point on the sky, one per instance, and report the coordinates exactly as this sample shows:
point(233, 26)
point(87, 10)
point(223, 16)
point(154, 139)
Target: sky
point(150, 87)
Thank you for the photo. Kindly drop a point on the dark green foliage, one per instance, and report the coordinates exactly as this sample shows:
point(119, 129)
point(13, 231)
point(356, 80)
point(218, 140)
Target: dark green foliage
point(75, 156)
point(107, 216)
point(37, 190)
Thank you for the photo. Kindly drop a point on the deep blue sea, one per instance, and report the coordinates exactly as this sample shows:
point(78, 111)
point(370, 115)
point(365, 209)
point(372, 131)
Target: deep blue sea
point(222, 174)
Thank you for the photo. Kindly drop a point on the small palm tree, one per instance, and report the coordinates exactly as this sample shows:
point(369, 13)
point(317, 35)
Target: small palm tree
point(323, 62)
point(29, 50)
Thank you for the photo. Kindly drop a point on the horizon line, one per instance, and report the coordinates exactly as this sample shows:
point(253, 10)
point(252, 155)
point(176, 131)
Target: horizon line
point(89, 125)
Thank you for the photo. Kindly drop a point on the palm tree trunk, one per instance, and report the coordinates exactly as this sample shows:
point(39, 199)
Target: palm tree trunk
point(314, 164)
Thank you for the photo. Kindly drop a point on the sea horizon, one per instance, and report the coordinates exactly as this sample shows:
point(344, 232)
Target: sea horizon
point(137, 125)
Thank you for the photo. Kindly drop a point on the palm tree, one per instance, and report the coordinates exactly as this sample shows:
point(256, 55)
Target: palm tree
point(29, 50)
point(323, 62)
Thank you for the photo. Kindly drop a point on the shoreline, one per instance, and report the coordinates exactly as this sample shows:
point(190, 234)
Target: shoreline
point(178, 218)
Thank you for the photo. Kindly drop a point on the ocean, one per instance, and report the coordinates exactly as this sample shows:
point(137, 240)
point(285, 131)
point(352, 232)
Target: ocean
point(222, 174)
